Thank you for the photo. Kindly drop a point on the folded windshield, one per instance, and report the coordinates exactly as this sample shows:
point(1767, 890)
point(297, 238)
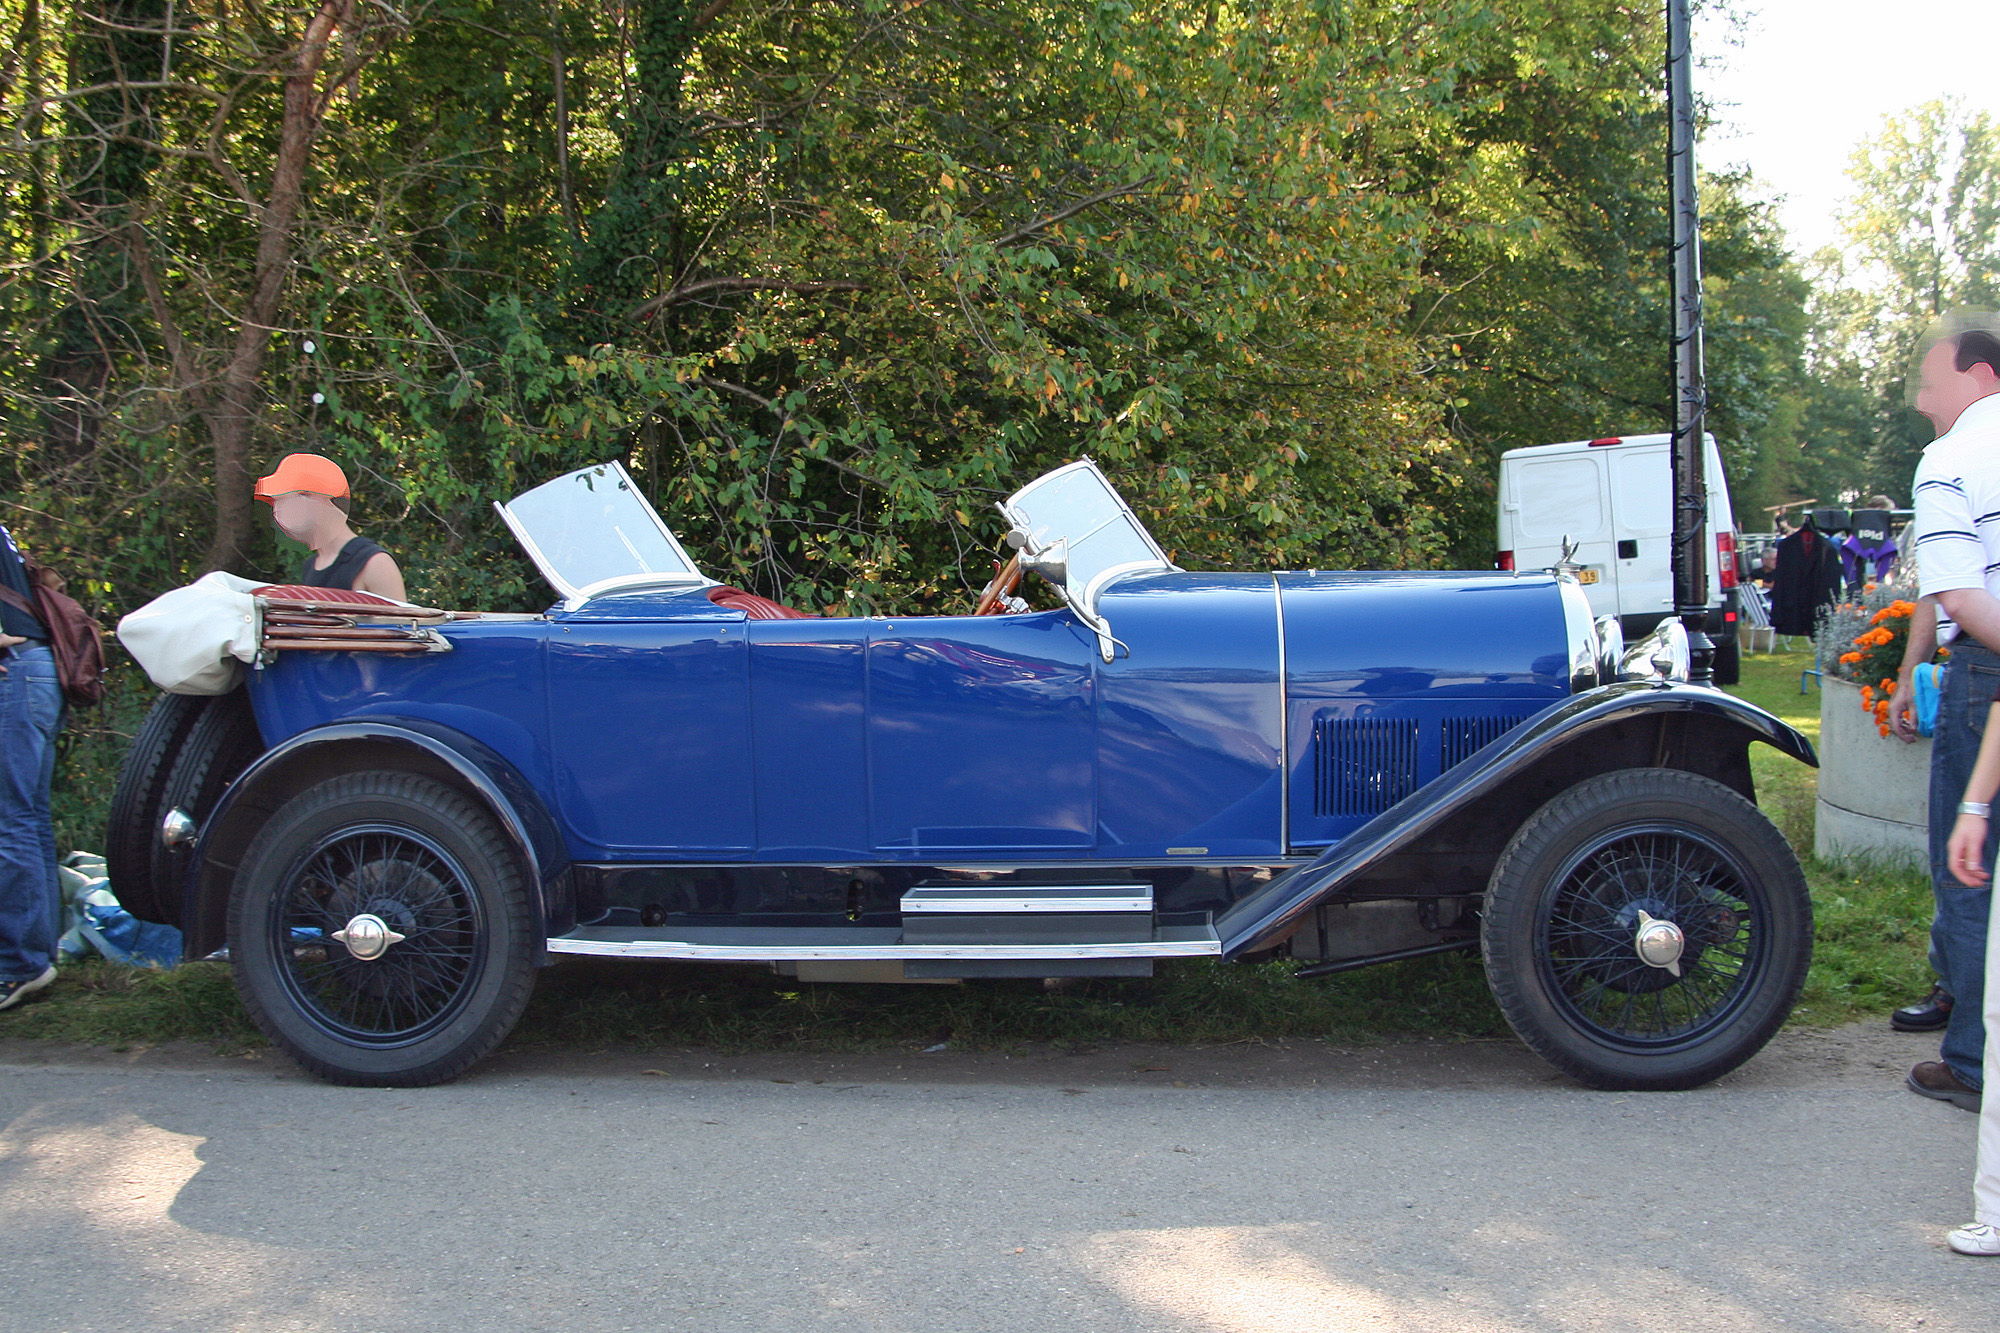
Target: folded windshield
point(591, 532)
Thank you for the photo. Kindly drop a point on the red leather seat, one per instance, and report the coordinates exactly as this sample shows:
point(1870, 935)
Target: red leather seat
point(753, 606)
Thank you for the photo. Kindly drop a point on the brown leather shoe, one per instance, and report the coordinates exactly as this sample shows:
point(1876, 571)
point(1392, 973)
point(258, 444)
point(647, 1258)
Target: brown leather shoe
point(1933, 1078)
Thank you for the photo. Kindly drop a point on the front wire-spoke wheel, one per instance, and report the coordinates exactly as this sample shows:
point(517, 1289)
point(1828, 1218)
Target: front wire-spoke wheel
point(1647, 929)
point(429, 911)
point(380, 932)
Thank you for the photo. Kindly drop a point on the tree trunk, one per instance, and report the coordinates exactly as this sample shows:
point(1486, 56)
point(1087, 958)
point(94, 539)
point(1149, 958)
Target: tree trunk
point(232, 417)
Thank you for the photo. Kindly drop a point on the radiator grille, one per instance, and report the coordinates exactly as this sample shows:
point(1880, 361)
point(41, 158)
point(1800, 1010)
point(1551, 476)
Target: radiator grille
point(1363, 765)
point(1465, 735)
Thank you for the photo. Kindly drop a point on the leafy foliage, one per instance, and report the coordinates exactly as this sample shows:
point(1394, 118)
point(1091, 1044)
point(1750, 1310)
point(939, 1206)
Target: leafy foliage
point(833, 277)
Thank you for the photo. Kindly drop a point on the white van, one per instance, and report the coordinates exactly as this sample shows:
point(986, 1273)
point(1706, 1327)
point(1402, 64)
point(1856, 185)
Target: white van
point(1614, 498)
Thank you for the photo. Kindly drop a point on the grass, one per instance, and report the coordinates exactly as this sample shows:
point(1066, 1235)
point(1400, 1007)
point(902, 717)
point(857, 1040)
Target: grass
point(1872, 923)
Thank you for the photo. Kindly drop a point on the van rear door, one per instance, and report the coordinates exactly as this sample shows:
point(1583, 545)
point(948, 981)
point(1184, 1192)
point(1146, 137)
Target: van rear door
point(1558, 494)
point(1642, 498)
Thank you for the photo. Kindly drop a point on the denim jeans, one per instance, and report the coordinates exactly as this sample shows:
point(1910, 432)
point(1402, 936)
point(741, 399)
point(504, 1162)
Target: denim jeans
point(1958, 930)
point(31, 706)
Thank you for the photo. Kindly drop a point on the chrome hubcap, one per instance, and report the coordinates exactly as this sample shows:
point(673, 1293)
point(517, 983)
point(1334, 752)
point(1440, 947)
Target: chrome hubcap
point(368, 937)
point(1659, 943)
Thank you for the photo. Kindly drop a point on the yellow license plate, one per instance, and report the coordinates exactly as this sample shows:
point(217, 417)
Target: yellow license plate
point(1586, 576)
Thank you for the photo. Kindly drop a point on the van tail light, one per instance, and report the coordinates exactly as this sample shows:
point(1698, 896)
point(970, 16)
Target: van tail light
point(1506, 561)
point(1729, 617)
point(1725, 563)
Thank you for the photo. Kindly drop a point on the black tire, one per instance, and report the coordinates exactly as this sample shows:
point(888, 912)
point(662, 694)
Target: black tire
point(1562, 914)
point(1728, 664)
point(430, 865)
point(132, 831)
point(222, 741)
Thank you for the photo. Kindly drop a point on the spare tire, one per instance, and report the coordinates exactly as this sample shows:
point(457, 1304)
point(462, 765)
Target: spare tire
point(132, 831)
point(220, 741)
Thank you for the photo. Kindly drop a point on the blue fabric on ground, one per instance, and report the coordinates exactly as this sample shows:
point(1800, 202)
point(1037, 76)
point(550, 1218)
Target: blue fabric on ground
point(124, 938)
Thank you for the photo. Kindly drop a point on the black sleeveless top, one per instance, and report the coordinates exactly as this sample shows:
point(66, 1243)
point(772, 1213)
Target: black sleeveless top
point(346, 566)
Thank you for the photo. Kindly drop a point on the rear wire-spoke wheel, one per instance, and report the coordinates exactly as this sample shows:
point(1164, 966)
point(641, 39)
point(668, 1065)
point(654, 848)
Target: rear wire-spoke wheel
point(380, 933)
point(1647, 929)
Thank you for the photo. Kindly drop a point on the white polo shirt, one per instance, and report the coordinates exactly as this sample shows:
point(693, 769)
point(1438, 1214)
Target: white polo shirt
point(1957, 498)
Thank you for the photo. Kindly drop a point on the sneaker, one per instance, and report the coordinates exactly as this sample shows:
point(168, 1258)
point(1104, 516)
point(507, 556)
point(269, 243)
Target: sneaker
point(13, 992)
point(1978, 1238)
point(1933, 1078)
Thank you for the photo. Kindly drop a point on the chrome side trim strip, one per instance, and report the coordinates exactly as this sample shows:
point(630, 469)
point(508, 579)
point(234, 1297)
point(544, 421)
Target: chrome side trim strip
point(1284, 727)
point(1053, 899)
point(755, 953)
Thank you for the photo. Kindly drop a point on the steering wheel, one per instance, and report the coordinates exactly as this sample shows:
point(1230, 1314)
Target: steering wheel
point(993, 601)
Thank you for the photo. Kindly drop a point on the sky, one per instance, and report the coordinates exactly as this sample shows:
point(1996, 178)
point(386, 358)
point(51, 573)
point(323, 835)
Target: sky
point(1797, 84)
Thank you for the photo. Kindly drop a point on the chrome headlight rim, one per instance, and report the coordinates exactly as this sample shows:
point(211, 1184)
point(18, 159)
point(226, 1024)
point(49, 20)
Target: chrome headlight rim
point(1610, 648)
point(1585, 652)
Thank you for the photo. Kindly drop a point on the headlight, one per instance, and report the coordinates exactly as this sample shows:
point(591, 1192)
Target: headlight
point(1661, 655)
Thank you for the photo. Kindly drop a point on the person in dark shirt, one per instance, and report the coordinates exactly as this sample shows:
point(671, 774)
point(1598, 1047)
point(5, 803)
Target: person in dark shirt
point(31, 706)
point(310, 502)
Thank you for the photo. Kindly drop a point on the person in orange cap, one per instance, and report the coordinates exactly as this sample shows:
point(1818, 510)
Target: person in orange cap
point(309, 501)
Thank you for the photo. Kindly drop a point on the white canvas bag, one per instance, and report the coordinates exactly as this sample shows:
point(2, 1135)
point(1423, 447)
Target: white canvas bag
point(195, 640)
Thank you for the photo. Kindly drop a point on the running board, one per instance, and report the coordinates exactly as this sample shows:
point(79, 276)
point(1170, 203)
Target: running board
point(767, 944)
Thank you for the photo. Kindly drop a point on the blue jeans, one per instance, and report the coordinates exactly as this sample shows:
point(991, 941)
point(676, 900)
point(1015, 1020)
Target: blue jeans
point(1958, 930)
point(31, 706)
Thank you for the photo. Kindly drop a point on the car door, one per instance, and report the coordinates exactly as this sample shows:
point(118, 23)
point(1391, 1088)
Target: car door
point(650, 733)
point(982, 735)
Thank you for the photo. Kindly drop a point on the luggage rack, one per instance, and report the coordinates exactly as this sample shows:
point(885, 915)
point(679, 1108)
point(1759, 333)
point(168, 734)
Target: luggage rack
point(337, 620)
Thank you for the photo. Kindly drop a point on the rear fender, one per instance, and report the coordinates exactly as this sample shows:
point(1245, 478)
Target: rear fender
point(1456, 827)
point(404, 745)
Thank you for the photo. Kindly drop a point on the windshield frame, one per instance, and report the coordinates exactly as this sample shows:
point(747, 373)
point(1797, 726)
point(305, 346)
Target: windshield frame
point(574, 595)
point(1082, 600)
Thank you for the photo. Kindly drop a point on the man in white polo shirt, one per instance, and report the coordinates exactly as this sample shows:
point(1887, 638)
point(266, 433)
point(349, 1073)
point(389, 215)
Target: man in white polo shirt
point(1957, 548)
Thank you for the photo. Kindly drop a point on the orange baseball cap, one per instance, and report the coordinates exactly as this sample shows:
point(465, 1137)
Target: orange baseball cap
point(302, 472)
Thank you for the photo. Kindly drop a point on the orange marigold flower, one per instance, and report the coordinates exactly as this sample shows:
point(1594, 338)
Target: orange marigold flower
point(1850, 658)
point(1867, 696)
point(1883, 729)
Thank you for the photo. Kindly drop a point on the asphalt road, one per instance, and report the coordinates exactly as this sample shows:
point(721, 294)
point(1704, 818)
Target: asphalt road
point(1232, 1191)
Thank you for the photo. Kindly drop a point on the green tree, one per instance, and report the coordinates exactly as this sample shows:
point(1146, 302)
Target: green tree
point(1923, 237)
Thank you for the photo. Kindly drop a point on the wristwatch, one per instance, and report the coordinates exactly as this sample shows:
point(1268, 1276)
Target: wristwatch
point(1981, 808)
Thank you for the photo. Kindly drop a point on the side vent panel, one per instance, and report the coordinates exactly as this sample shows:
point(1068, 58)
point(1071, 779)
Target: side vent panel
point(1364, 765)
point(1462, 737)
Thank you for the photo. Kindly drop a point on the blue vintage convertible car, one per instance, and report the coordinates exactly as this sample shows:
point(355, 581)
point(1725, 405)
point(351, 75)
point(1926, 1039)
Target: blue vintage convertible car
point(1336, 767)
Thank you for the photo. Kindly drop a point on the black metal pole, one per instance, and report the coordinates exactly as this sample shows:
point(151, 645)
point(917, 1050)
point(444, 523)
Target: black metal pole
point(1690, 461)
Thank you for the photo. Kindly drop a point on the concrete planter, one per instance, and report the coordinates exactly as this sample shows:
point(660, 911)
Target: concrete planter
point(1874, 790)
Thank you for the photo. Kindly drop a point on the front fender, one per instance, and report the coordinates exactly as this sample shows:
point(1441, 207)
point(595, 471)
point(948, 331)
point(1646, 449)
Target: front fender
point(357, 744)
point(1266, 917)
